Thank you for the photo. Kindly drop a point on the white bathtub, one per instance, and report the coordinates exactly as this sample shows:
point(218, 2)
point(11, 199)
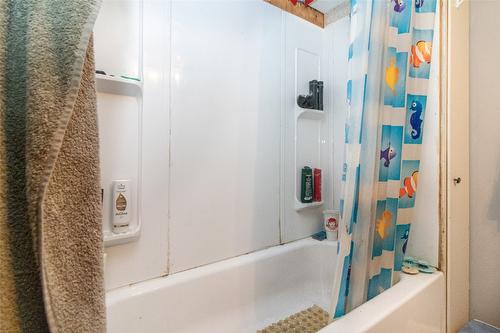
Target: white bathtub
point(414, 305)
point(249, 292)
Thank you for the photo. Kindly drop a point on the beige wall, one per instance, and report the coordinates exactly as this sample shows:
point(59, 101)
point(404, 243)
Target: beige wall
point(485, 161)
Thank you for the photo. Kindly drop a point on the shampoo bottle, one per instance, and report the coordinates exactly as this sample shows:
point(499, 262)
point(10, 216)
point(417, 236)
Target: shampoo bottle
point(317, 184)
point(306, 195)
point(121, 206)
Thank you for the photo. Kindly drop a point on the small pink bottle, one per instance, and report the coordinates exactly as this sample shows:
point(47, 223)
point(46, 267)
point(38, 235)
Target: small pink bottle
point(317, 184)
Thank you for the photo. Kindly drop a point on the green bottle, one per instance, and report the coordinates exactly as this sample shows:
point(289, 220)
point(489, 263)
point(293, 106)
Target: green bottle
point(306, 195)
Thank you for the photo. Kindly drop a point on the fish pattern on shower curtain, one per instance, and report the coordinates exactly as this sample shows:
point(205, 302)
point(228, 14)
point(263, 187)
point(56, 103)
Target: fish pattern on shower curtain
point(401, 105)
point(406, 80)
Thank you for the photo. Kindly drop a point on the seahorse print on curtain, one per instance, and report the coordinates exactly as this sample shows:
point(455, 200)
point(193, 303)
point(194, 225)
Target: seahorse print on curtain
point(390, 57)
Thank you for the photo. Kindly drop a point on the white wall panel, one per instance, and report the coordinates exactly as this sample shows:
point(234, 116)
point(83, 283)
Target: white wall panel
point(116, 36)
point(339, 93)
point(304, 61)
point(225, 117)
point(135, 146)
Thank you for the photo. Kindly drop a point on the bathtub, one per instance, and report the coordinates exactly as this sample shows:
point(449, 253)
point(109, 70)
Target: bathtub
point(247, 293)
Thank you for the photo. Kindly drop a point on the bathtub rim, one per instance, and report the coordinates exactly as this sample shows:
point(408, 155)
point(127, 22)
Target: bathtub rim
point(114, 296)
point(383, 306)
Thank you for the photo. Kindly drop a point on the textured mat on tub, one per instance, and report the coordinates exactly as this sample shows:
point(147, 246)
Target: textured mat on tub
point(309, 320)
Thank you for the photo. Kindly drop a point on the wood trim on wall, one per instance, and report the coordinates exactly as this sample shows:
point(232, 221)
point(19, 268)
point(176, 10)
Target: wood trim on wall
point(457, 168)
point(305, 12)
point(443, 140)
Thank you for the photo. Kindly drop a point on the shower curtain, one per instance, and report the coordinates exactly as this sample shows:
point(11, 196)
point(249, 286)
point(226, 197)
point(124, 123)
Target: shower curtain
point(389, 67)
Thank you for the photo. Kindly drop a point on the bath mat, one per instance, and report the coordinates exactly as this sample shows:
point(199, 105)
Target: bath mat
point(51, 277)
point(310, 320)
point(477, 326)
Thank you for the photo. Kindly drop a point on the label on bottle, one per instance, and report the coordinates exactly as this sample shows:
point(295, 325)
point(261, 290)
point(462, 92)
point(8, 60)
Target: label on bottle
point(121, 205)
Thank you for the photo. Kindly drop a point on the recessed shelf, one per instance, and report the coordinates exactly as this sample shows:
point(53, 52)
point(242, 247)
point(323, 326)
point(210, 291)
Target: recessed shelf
point(300, 205)
point(118, 85)
point(309, 113)
point(111, 239)
point(307, 148)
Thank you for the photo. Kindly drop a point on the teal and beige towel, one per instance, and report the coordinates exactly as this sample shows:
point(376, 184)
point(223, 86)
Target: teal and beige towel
point(51, 275)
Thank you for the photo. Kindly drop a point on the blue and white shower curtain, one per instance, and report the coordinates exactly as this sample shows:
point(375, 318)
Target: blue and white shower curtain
point(389, 66)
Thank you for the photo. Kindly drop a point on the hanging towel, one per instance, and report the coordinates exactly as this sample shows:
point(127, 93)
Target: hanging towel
point(51, 274)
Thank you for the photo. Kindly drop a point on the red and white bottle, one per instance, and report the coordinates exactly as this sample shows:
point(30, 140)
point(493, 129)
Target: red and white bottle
point(317, 184)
